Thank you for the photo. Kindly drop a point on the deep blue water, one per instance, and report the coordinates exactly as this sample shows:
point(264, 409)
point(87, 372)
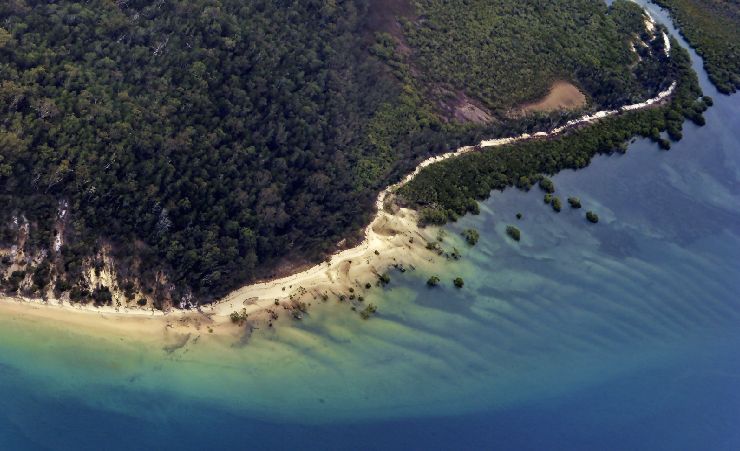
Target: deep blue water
point(693, 405)
point(616, 336)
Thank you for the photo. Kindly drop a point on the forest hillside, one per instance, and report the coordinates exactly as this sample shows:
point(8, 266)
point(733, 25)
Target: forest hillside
point(174, 150)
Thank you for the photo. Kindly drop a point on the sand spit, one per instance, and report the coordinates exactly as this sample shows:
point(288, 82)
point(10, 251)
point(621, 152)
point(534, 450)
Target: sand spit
point(392, 238)
point(387, 238)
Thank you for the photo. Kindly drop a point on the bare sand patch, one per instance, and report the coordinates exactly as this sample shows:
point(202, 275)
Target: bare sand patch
point(562, 96)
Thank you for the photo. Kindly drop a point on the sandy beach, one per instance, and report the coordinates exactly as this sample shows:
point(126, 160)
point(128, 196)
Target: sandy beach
point(391, 239)
point(145, 325)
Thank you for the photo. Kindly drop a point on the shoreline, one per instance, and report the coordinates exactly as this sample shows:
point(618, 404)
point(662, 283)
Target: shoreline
point(394, 236)
point(327, 275)
point(390, 239)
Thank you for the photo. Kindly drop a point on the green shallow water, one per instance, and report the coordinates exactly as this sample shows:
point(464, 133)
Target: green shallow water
point(566, 340)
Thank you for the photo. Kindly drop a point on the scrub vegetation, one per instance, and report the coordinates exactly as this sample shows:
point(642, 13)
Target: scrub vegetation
point(556, 204)
point(514, 233)
point(448, 188)
point(471, 236)
point(507, 52)
point(368, 311)
point(713, 29)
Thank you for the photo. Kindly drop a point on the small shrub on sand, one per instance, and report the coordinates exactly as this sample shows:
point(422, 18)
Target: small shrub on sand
point(471, 236)
point(556, 204)
point(239, 318)
point(513, 233)
point(546, 185)
point(368, 311)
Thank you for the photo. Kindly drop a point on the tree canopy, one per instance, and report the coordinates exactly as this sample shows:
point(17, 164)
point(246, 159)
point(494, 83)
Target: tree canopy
point(713, 29)
point(207, 142)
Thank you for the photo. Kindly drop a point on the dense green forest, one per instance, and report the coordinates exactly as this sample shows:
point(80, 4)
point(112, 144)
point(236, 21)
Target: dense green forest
point(713, 29)
point(206, 135)
point(444, 191)
point(208, 143)
point(479, 46)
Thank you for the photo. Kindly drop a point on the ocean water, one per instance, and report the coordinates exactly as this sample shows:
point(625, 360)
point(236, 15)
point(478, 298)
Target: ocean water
point(620, 335)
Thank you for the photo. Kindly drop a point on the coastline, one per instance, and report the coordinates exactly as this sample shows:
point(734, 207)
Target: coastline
point(626, 325)
point(391, 238)
point(387, 234)
point(142, 325)
point(394, 236)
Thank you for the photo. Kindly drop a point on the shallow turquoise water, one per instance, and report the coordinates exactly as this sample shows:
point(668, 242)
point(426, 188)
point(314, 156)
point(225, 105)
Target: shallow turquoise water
point(621, 335)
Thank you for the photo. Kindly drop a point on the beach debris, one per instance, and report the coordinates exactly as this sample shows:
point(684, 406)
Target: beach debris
point(250, 301)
